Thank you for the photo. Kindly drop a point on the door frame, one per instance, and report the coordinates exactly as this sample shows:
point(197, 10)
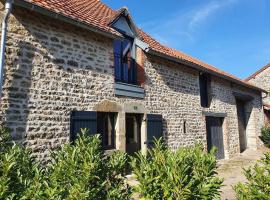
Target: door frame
point(241, 116)
point(209, 135)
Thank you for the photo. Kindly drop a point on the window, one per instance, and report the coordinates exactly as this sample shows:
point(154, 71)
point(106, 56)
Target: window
point(124, 61)
point(205, 84)
point(96, 123)
point(106, 127)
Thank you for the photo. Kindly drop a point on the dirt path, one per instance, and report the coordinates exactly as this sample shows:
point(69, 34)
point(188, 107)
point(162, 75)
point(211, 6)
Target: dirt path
point(231, 170)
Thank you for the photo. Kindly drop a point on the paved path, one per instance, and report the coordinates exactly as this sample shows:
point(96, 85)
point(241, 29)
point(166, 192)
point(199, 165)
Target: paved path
point(231, 170)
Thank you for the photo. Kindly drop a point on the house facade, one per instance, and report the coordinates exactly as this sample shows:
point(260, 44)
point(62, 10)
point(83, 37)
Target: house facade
point(261, 79)
point(70, 66)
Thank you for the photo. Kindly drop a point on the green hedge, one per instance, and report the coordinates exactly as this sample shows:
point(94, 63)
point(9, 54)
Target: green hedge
point(78, 171)
point(82, 171)
point(265, 135)
point(188, 173)
point(258, 181)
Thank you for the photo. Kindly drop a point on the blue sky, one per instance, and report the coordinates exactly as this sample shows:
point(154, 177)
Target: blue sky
point(233, 35)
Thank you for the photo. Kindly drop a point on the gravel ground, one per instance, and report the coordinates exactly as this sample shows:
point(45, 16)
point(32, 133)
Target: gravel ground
point(232, 170)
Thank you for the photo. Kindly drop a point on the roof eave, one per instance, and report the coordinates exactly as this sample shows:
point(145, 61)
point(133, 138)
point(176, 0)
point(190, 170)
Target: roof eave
point(199, 68)
point(64, 18)
point(95, 29)
point(257, 72)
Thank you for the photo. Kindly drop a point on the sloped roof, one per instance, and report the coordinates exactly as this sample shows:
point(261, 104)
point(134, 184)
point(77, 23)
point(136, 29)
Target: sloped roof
point(99, 15)
point(258, 72)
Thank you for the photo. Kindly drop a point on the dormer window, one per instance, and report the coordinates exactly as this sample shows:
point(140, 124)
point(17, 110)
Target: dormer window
point(129, 75)
point(124, 62)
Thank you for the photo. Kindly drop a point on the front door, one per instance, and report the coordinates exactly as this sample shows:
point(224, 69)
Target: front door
point(241, 124)
point(215, 135)
point(133, 133)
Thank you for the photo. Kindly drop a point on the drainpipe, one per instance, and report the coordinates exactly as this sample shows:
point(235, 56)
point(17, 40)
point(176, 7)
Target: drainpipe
point(8, 7)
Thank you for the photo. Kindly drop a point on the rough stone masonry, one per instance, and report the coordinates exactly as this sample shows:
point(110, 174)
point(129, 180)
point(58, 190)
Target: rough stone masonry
point(53, 68)
point(262, 80)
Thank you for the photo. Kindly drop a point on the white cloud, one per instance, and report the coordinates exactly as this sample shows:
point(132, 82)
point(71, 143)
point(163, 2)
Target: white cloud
point(183, 26)
point(201, 14)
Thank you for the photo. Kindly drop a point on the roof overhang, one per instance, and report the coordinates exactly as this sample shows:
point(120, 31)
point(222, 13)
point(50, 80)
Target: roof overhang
point(123, 12)
point(64, 18)
point(95, 29)
point(257, 72)
point(202, 69)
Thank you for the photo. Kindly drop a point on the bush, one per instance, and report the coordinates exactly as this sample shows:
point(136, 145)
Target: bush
point(265, 135)
point(258, 181)
point(188, 173)
point(76, 171)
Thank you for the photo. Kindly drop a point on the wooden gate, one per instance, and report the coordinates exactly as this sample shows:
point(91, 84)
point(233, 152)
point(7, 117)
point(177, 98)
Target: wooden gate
point(215, 135)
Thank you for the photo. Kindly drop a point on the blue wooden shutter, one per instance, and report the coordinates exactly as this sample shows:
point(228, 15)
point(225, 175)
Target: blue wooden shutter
point(82, 119)
point(126, 44)
point(117, 45)
point(154, 128)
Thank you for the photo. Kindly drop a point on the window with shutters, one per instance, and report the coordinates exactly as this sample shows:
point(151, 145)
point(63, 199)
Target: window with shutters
point(124, 61)
point(97, 123)
point(205, 90)
point(154, 128)
point(129, 75)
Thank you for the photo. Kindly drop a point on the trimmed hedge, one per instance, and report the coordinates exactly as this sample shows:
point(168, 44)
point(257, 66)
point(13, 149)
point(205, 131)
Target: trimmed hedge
point(188, 173)
point(82, 171)
point(78, 171)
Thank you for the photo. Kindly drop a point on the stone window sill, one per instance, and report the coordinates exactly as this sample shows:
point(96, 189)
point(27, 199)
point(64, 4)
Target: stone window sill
point(123, 89)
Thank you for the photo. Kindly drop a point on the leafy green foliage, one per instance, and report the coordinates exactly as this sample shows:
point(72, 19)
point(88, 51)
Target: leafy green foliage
point(188, 173)
point(258, 185)
point(265, 135)
point(77, 171)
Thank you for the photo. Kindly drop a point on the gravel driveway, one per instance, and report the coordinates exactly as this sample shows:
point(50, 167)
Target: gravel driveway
point(231, 170)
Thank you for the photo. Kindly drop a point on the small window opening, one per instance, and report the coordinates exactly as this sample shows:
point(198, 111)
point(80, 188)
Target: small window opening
point(185, 126)
point(205, 88)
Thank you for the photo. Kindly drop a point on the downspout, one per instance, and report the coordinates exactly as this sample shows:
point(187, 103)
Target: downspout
point(8, 7)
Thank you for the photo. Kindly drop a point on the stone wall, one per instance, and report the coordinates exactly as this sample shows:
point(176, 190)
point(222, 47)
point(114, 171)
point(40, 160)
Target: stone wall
point(262, 80)
point(53, 68)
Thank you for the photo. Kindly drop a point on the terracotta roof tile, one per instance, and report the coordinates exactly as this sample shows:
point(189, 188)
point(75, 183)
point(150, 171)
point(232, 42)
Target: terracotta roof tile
point(97, 14)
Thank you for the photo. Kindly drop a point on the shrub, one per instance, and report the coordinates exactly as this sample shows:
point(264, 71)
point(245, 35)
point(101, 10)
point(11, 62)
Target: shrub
point(76, 171)
point(188, 173)
point(82, 171)
point(258, 181)
point(265, 135)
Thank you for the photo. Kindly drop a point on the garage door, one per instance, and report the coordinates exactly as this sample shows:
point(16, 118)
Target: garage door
point(215, 135)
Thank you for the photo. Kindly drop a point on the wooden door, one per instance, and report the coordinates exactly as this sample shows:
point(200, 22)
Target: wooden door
point(133, 133)
point(215, 135)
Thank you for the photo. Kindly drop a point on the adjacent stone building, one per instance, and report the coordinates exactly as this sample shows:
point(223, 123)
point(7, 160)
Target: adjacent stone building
point(261, 79)
point(74, 64)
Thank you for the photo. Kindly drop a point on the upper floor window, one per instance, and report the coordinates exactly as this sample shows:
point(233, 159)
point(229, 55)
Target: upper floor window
point(124, 61)
point(205, 90)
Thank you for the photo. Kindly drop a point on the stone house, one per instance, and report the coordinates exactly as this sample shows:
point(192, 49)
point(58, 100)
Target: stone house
point(73, 64)
point(261, 79)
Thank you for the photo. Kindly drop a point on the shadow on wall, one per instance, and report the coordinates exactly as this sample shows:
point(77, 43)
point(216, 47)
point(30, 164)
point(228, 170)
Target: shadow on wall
point(16, 87)
point(186, 81)
point(40, 54)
